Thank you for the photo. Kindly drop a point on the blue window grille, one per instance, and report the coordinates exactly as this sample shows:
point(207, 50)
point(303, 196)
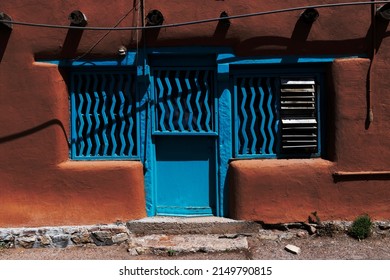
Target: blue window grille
point(276, 116)
point(184, 101)
point(104, 115)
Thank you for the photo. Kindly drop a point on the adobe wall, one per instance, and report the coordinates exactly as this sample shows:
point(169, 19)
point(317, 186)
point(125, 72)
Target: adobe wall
point(40, 186)
point(288, 190)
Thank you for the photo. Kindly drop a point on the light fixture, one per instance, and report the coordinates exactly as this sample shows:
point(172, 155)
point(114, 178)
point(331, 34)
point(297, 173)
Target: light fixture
point(122, 51)
point(154, 18)
point(383, 12)
point(77, 18)
point(310, 15)
point(4, 16)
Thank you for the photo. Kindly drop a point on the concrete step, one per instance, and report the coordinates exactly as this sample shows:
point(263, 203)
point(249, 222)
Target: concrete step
point(190, 225)
point(162, 244)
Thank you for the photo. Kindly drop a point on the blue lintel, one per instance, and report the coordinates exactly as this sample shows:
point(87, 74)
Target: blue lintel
point(129, 60)
point(235, 60)
point(224, 58)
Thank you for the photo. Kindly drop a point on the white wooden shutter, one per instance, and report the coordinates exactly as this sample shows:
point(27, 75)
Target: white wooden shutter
point(298, 114)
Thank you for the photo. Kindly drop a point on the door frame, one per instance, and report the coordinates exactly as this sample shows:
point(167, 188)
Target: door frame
point(197, 57)
point(155, 134)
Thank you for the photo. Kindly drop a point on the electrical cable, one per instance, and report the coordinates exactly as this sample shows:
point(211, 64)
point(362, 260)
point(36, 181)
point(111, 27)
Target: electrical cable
point(105, 35)
point(196, 21)
point(370, 113)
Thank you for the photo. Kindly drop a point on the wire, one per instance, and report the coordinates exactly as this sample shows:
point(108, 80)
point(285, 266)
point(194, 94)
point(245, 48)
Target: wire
point(197, 21)
point(105, 35)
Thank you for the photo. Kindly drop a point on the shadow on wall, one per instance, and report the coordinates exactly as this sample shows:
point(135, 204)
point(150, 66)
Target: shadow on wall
point(5, 34)
point(297, 44)
point(71, 43)
point(362, 176)
point(35, 129)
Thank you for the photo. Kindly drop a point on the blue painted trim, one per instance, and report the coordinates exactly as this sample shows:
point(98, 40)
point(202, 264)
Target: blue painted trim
point(221, 59)
point(190, 50)
point(72, 117)
point(184, 133)
point(234, 60)
point(184, 211)
point(129, 60)
point(277, 72)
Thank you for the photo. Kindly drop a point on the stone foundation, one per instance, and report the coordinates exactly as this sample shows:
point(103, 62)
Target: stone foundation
point(61, 237)
point(114, 234)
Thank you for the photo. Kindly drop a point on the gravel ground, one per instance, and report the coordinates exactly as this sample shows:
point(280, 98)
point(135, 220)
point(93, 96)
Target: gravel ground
point(261, 247)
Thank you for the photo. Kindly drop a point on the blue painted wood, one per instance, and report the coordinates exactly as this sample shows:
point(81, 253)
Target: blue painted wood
point(103, 115)
point(185, 171)
point(139, 132)
point(263, 116)
point(185, 100)
point(272, 109)
point(264, 133)
point(254, 116)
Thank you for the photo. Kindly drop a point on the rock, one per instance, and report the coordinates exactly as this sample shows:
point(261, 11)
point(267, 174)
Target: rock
point(102, 235)
point(272, 237)
point(26, 241)
point(7, 241)
point(102, 238)
point(384, 225)
point(286, 236)
point(7, 238)
point(301, 234)
point(132, 252)
point(121, 237)
point(83, 237)
point(292, 249)
point(44, 240)
point(311, 229)
point(60, 241)
point(142, 250)
point(119, 229)
point(28, 232)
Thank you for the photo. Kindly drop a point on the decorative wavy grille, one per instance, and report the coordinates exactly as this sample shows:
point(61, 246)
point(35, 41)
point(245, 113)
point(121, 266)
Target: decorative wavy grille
point(276, 116)
point(184, 100)
point(103, 114)
point(256, 116)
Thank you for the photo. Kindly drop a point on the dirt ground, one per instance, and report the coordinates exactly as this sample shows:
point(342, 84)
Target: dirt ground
point(313, 247)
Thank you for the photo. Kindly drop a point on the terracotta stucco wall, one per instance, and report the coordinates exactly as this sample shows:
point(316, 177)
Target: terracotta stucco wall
point(289, 190)
point(39, 185)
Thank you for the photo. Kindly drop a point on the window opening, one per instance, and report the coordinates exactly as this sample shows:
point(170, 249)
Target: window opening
point(276, 115)
point(104, 117)
point(184, 100)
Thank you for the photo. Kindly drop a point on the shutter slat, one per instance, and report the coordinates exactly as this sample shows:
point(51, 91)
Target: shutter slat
point(298, 115)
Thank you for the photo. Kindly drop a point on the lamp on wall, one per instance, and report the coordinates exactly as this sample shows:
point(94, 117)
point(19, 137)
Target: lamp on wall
point(4, 16)
point(310, 15)
point(154, 18)
point(383, 12)
point(77, 18)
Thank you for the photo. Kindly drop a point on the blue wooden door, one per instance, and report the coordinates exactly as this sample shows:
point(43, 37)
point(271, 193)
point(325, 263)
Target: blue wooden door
point(185, 168)
point(184, 135)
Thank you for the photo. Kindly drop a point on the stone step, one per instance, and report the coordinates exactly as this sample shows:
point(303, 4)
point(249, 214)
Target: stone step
point(162, 244)
point(191, 225)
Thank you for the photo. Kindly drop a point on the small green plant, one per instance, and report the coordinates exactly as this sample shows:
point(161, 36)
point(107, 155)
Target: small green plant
point(171, 252)
point(361, 227)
